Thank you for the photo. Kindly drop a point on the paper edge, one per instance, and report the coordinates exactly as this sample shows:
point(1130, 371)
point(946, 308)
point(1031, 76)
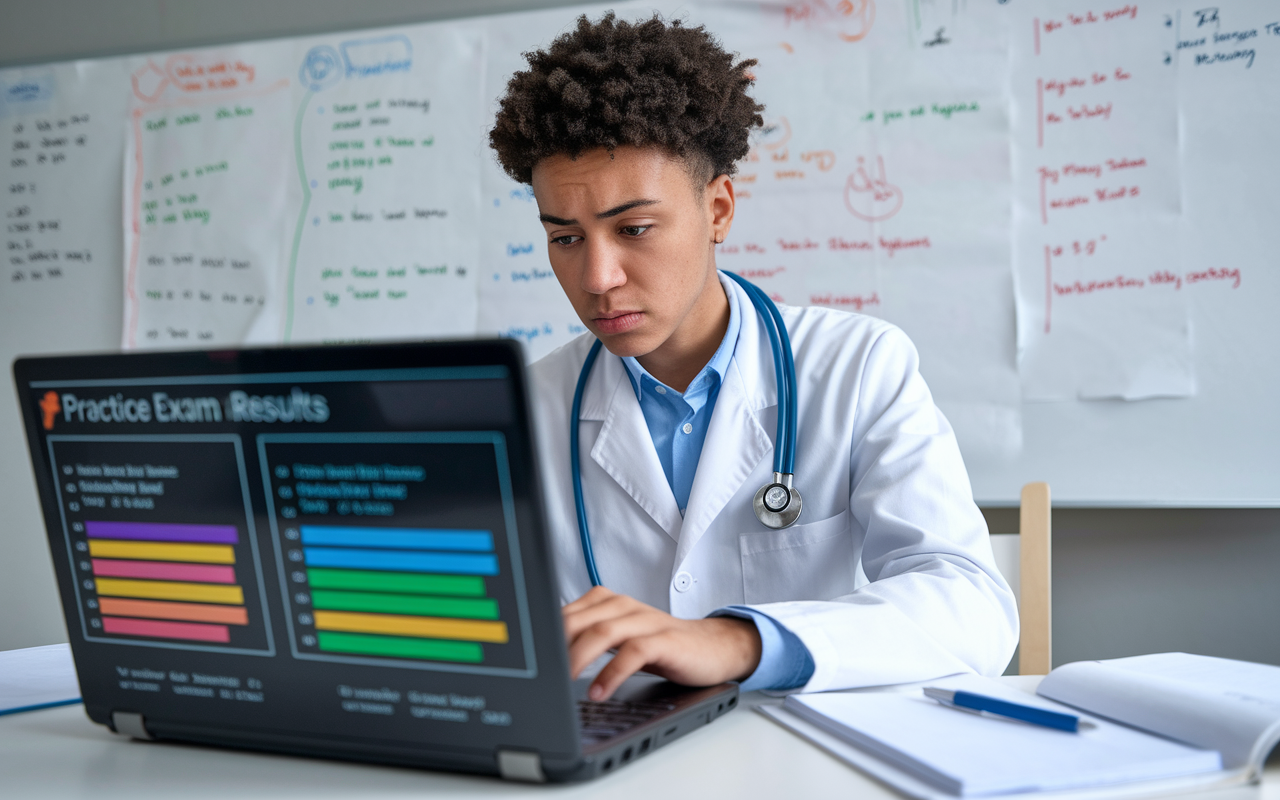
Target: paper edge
point(897, 779)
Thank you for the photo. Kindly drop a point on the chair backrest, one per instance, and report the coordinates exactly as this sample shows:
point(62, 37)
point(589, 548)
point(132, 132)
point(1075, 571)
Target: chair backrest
point(1035, 593)
point(1024, 560)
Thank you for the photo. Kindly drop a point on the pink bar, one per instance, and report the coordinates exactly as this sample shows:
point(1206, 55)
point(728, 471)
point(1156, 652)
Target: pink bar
point(162, 571)
point(167, 630)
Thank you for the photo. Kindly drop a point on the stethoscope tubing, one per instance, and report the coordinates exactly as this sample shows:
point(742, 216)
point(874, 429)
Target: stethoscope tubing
point(575, 465)
point(784, 369)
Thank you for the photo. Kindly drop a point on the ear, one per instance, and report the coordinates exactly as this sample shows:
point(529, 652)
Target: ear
point(720, 205)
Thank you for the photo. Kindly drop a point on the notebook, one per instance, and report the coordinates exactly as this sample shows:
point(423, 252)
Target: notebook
point(1163, 723)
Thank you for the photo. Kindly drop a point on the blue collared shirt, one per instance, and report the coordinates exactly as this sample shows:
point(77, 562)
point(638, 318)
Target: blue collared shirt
point(678, 423)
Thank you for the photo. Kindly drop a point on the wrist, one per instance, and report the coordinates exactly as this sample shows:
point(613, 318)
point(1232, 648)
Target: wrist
point(743, 646)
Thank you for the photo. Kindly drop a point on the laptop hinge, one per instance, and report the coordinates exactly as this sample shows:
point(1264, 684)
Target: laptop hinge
point(521, 765)
point(130, 724)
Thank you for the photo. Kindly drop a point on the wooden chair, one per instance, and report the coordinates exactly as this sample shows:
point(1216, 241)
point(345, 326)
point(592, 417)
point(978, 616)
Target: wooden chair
point(1024, 560)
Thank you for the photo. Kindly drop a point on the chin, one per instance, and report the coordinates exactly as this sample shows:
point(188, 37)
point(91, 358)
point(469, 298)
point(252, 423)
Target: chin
point(632, 344)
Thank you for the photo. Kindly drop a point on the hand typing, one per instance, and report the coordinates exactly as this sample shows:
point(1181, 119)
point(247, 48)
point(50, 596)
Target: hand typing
point(694, 652)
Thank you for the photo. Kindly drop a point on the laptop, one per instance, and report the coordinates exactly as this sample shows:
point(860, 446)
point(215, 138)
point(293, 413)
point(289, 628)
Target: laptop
point(326, 551)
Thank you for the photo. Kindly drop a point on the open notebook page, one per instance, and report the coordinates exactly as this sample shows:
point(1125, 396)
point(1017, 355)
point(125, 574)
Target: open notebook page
point(973, 756)
point(1215, 703)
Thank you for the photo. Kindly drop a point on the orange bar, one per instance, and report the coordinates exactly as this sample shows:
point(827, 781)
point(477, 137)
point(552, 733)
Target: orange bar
point(424, 627)
point(192, 612)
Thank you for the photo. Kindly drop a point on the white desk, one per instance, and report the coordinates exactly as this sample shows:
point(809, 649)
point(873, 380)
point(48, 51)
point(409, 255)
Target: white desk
point(58, 753)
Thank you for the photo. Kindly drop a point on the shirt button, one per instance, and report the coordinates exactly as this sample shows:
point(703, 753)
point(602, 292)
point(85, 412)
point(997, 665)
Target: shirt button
point(688, 428)
point(660, 389)
point(683, 582)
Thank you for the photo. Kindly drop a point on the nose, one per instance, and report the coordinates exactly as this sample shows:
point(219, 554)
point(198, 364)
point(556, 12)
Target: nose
point(603, 269)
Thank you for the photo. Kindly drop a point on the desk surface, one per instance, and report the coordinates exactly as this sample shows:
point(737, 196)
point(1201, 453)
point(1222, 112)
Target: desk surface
point(58, 753)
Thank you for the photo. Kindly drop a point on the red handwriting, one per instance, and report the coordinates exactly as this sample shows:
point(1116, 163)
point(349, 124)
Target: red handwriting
point(191, 75)
point(1085, 112)
point(1216, 274)
point(1076, 248)
point(855, 301)
point(1116, 194)
point(851, 19)
point(1125, 163)
point(784, 174)
point(1118, 282)
point(1128, 11)
point(1164, 276)
point(760, 273)
point(807, 244)
point(870, 197)
point(825, 158)
point(838, 243)
point(1059, 86)
point(1068, 202)
point(746, 247)
point(894, 245)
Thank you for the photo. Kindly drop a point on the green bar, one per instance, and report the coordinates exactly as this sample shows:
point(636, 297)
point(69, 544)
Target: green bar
point(430, 649)
point(484, 608)
point(408, 582)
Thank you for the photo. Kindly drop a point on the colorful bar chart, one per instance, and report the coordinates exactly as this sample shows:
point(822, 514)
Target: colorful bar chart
point(415, 593)
point(166, 581)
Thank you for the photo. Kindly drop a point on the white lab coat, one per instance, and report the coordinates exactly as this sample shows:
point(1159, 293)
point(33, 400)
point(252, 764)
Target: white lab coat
point(887, 577)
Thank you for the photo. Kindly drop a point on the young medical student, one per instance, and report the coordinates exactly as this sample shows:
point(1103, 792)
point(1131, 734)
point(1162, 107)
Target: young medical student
point(629, 135)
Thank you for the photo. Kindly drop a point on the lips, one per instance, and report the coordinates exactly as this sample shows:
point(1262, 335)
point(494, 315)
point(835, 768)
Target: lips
point(618, 322)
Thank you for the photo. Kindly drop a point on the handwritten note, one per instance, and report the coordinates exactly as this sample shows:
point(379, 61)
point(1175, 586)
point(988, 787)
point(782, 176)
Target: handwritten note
point(1099, 200)
point(206, 176)
point(384, 243)
point(881, 185)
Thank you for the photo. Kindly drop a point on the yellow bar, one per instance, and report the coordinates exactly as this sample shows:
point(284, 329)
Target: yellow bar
point(151, 551)
point(172, 590)
point(425, 627)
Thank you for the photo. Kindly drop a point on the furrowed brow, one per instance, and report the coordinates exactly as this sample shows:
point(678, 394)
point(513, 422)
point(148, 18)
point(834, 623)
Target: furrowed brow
point(625, 207)
point(550, 220)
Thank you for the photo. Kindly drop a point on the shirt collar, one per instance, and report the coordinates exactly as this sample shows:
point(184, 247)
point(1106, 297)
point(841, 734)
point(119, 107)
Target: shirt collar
point(718, 365)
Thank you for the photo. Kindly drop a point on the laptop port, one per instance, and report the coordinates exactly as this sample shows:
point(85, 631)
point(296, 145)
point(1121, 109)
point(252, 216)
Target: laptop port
point(733, 701)
point(626, 755)
point(644, 746)
point(669, 731)
point(720, 708)
point(608, 765)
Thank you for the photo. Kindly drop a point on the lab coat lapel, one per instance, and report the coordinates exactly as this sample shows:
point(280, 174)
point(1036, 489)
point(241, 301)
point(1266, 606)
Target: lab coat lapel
point(736, 440)
point(624, 449)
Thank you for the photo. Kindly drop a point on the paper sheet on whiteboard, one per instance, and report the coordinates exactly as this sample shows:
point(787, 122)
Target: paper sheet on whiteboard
point(206, 196)
point(890, 195)
point(1098, 204)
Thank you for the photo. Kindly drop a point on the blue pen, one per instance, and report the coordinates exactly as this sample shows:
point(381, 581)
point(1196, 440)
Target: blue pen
point(968, 701)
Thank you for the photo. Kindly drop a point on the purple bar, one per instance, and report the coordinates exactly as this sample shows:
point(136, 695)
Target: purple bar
point(162, 532)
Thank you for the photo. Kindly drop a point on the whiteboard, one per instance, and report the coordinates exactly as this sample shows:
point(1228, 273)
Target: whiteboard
point(922, 161)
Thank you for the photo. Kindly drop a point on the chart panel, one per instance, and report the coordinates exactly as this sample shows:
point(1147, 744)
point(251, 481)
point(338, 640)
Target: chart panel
point(399, 549)
point(160, 535)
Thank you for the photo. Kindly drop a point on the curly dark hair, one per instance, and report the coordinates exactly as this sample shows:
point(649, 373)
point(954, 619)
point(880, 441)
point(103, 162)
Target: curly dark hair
point(612, 83)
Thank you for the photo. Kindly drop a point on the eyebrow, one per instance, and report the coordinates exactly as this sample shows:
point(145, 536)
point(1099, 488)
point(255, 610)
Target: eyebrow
point(613, 212)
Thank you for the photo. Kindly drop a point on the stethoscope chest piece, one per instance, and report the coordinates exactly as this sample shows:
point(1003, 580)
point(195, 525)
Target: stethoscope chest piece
point(778, 504)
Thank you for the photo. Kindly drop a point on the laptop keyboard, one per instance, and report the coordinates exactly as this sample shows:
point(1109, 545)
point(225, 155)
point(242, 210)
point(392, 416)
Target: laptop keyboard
point(607, 719)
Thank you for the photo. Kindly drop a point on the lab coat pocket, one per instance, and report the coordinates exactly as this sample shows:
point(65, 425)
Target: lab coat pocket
point(805, 562)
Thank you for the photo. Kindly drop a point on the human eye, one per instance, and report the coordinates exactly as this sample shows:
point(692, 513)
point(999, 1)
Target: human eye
point(566, 240)
point(634, 230)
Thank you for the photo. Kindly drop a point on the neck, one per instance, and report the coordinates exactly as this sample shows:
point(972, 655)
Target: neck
point(679, 359)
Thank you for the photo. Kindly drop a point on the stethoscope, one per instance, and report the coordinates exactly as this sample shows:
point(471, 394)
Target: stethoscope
point(776, 504)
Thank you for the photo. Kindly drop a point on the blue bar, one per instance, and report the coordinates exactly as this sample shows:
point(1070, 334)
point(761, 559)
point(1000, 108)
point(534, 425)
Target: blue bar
point(402, 561)
point(400, 538)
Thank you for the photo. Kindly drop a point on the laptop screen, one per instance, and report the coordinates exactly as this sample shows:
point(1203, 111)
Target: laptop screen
point(340, 546)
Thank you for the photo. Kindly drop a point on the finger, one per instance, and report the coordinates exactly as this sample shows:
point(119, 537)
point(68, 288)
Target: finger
point(632, 657)
point(611, 633)
point(597, 594)
point(617, 605)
